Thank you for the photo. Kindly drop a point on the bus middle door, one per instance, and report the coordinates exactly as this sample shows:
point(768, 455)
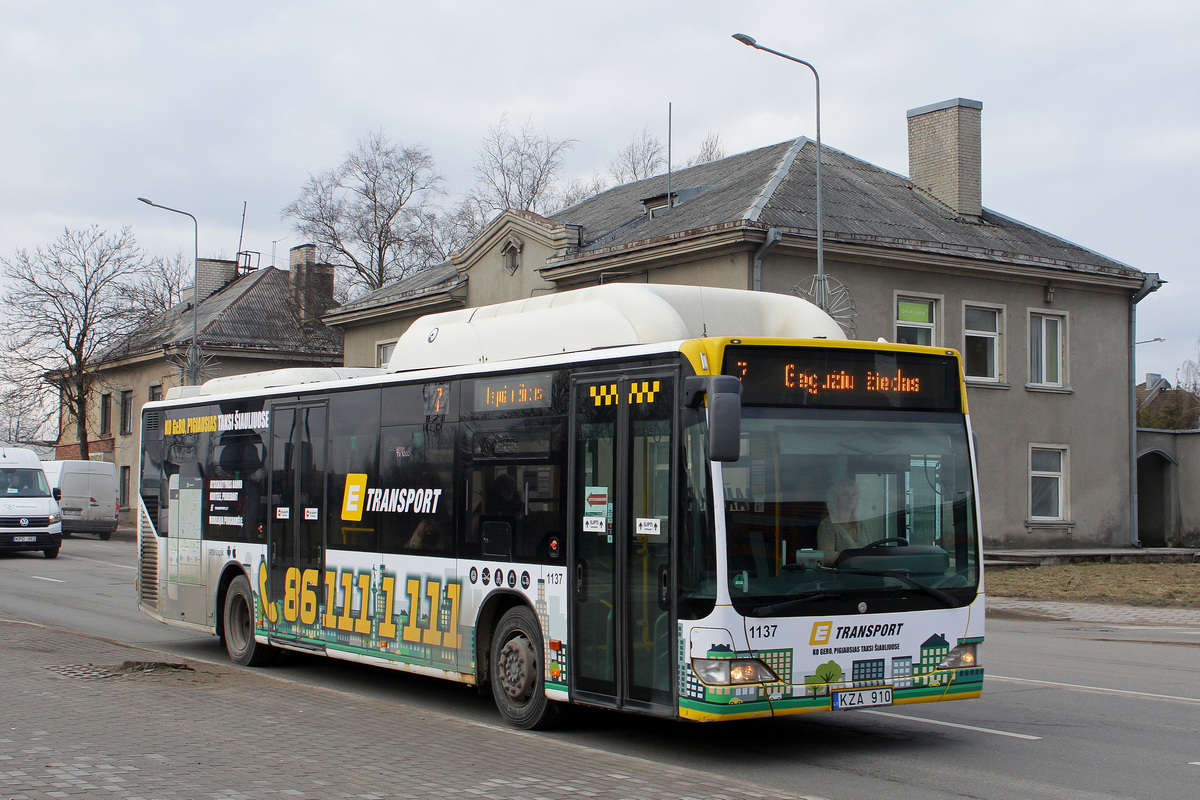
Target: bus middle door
point(296, 520)
point(622, 624)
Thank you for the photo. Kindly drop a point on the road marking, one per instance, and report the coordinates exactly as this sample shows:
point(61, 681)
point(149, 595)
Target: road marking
point(40, 578)
point(951, 724)
point(1096, 689)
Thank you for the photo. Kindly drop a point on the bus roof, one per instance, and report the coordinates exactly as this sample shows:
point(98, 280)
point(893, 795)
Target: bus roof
point(611, 315)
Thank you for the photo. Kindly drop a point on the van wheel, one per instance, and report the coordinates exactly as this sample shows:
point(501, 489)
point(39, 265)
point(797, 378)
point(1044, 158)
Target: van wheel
point(238, 618)
point(516, 671)
point(105, 535)
point(51, 552)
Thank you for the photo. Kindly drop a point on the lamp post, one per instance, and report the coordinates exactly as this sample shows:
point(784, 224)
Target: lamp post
point(192, 368)
point(821, 293)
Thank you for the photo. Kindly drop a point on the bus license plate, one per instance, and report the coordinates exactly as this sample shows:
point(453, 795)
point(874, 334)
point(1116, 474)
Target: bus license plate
point(23, 539)
point(862, 698)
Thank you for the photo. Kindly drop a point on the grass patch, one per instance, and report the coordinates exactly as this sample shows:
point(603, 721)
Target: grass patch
point(1174, 585)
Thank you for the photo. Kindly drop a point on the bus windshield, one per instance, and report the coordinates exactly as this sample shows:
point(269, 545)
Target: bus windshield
point(831, 511)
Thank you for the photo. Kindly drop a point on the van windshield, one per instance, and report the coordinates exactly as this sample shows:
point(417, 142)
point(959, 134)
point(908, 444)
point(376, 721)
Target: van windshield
point(18, 482)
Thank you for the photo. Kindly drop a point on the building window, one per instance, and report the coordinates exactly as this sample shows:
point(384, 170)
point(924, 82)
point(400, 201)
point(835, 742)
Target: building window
point(512, 259)
point(106, 415)
point(155, 392)
point(383, 353)
point(982, 331)
point(1047, 345)
point(127, 412)
point(916, 320)
point(1047, 482)
point(123, 500)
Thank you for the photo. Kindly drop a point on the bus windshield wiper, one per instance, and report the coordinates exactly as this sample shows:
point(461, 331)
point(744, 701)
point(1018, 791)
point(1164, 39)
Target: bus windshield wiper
point(791, 605)
point(903, 575)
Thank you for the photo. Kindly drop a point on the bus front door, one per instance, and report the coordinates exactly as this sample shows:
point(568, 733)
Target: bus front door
point(622, 622)
point(296, 518)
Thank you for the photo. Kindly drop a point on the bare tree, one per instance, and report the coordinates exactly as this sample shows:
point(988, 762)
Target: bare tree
point(26, 410)
point(641, 158)
point(162, 286)
point(444, 231)
point(365, 215)
point(1188, 377)
point(517, 170)
point(65, 304)
point(711, 149)
point(576, 190)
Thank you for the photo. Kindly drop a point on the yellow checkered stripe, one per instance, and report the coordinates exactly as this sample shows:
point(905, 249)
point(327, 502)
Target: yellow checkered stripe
point(643, 392)
point(605, 394)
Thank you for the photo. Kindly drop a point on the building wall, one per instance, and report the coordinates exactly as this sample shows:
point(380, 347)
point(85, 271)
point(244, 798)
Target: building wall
point(489, 282)
point(1174, 458)
point(361, 342)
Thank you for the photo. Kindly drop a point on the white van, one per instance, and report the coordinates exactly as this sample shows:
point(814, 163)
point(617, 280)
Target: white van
point(89, 495)
point(29, 516)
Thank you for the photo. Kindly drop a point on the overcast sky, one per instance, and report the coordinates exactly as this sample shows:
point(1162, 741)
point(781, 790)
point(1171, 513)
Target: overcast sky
point(1091, 109)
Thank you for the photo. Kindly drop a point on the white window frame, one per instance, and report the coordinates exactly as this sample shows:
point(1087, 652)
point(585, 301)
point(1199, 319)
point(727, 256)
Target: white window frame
point(383, 351)
point(935, 328)
point(997, 337)
point(1062, 476)
point(1038, 378)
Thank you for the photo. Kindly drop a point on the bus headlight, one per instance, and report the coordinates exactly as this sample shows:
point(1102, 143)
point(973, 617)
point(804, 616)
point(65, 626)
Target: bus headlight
point(960, 657)
point(732, 671)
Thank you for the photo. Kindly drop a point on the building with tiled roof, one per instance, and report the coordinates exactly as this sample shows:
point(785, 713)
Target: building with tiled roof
point(1045, 325)
point(247, 320)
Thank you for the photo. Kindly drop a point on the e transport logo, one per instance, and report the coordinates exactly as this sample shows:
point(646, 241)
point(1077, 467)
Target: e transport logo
point(358, 497)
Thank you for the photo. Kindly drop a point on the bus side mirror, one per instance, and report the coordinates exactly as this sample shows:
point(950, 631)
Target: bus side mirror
point(724, 394)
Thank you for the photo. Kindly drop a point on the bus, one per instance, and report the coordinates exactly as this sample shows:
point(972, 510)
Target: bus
point(688, 502)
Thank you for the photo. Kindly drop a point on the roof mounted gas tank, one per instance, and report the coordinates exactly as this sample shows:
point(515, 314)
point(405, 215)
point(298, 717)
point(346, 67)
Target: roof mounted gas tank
point(611, 315)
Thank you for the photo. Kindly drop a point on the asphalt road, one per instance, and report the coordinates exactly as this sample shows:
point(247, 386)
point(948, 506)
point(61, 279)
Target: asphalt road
point(1069, 710)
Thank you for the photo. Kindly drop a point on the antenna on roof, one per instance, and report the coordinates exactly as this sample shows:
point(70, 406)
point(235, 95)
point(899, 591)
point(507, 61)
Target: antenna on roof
point(242, 231)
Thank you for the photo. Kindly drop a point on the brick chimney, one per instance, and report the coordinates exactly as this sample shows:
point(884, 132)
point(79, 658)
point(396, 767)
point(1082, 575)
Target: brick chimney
point(944, 154)
point(211, 275)
point(312, 283)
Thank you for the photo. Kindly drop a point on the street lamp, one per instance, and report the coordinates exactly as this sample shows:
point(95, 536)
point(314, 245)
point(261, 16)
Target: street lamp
point(821, 288)
point(192, 369)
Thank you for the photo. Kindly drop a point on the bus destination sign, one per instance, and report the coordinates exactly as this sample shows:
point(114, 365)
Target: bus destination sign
point(515, 392)
point(826, 377)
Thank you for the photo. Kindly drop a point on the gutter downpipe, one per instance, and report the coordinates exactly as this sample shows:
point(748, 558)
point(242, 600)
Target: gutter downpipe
point(774, 237)
point(1150, 284)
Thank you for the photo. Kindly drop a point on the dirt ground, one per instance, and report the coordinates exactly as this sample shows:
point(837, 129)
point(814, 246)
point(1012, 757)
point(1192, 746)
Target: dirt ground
point(1176, 585)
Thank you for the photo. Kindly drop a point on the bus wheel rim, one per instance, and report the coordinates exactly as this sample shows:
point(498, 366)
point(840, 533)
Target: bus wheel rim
point(516, 668)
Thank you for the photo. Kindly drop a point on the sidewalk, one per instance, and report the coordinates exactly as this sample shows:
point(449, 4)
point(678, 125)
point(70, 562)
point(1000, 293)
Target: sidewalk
point(1095, 612)
point(84, 717)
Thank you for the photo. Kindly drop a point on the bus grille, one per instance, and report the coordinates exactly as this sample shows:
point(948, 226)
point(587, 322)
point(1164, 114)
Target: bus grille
point(148, 564)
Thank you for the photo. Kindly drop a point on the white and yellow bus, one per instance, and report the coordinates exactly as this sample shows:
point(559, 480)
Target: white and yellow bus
point(680, 501)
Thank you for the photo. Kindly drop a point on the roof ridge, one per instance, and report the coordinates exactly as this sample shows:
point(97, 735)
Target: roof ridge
point(785, 165)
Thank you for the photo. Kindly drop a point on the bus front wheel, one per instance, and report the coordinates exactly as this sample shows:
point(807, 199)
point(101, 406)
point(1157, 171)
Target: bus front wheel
point(238, 628)
point(516, 671)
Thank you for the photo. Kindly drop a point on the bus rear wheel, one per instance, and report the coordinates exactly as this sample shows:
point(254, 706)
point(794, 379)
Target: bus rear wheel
point(238, 627)
point(516, 671)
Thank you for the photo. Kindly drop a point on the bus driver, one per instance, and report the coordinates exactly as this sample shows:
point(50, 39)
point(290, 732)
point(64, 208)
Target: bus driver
point(841, 529)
